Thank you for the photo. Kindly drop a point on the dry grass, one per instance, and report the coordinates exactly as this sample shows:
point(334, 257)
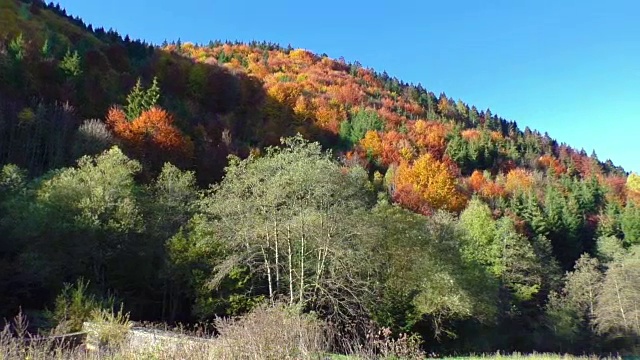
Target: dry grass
point(276, 332)
point(17, 343)
point(281, 332)
point(379, 344)
point(269, 332)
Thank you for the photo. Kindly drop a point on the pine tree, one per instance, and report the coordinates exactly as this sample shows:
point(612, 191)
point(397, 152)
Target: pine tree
point(630, 222)
point(70, 64)
point(135, 101)
point(17, 47)
point(521, 270)
point(45, 51)
point(140, 100)
point(152, 95)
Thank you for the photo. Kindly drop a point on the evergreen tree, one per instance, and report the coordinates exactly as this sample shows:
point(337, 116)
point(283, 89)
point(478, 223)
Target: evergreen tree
point(609, 248)
point(140, 100)
point(152, 95)
point(46, 50)
point(135, 101)
point(70, 64)
point(519, 267)
point(363, 121)
point(630, 224)
point(17, 48)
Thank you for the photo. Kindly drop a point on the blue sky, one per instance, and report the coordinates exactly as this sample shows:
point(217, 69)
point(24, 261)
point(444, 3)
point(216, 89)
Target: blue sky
point(570, 68)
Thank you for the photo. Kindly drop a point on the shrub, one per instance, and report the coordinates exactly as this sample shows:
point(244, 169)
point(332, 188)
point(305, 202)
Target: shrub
point(73, 306)
point(93, 137)
point(378, 343)
point(277, 332)
point(111, 327)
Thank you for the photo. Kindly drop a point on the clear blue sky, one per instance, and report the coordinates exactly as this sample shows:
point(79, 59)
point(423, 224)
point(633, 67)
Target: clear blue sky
point(567, 67)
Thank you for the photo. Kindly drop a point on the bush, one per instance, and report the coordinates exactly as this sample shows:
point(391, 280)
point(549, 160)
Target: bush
point(111, 327)
point(17, 343)
point(268, 332)
point(277, 332)
point(282, 332)
point(73, 306)
point(92, 138)
point(378, 343)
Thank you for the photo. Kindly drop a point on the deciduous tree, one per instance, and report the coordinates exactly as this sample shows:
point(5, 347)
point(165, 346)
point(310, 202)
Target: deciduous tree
point(292, 217)
point(432, 181)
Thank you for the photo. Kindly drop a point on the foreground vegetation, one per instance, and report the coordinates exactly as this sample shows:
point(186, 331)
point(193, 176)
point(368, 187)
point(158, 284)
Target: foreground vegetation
point(189, 182)
point(268, 332)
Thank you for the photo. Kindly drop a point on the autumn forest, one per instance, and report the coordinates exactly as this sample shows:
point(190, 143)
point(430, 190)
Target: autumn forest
point(187, 181)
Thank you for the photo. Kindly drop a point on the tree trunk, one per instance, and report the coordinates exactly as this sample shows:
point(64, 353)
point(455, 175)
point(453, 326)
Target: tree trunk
point(302, 240)
point(290, 256)
point(620, 304)
point(275, 233)
point(268, 266)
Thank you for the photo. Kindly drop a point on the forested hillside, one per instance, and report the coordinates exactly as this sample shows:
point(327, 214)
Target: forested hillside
point(188, 181)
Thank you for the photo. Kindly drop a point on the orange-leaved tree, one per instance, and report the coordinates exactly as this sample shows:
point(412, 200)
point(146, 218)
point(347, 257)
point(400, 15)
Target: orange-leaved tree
point(477, 181)
point(549, 162)
point(396, 148)
point(151, 135)
point(486, 188)
point(431, 136)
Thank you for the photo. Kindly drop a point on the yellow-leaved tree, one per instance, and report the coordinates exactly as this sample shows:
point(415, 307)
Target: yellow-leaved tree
point(427, 184)
point(633, 188)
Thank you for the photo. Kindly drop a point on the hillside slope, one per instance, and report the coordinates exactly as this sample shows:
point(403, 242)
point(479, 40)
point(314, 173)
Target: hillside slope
point(492, 215)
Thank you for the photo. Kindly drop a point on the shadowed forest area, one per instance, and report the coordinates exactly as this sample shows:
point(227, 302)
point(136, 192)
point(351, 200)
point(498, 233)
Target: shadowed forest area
point(189, 181)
